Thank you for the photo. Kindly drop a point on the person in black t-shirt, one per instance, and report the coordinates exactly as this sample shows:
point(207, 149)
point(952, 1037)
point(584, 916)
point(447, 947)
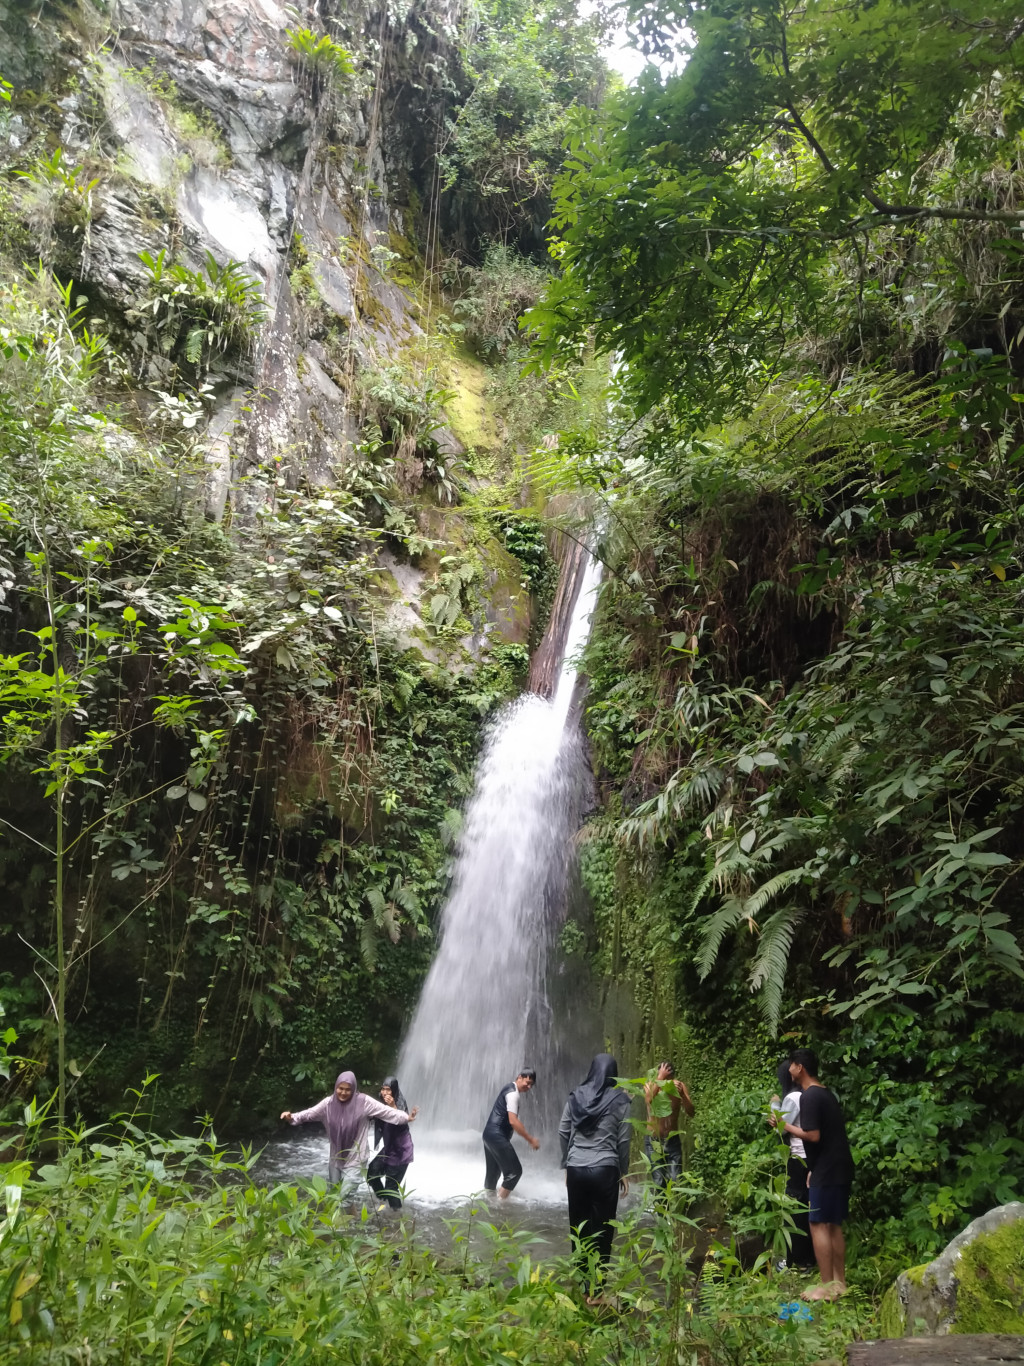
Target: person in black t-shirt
point(822, 1130)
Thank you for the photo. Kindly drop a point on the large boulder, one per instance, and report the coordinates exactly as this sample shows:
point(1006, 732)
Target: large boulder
point(976, 1285)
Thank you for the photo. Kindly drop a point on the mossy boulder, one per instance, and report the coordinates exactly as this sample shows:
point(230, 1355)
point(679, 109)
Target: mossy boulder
point(976, 1285)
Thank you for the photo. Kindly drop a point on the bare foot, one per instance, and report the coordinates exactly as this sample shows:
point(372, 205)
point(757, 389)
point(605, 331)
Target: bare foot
point(830, 1291)
point(503, 1194)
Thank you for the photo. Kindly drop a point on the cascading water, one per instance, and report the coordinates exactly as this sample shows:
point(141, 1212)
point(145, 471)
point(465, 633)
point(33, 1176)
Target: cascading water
point(485, 1009)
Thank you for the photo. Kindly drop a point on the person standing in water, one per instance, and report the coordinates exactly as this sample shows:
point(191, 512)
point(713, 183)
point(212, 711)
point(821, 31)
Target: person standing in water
point(501, 1159)
point(387, 1170)
point(595, 1136)
point(346, 1115)
point(664, 1144)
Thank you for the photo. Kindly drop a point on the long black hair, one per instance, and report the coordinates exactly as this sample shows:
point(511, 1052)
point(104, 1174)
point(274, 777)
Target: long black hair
point(786, 1082)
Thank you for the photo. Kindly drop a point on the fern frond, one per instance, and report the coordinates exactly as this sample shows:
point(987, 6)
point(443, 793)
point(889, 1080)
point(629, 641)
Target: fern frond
point(727, 918)
point(706, 882)
point(756, 903)
point(368, 943)
point(405, 895)
point(451, 827)
point(832, 738)
point(377, 901)
point(768, 970)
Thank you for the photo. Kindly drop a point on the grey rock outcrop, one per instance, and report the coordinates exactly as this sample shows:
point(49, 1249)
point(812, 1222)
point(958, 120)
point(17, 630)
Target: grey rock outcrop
point(928, 1295)
point(212, 135)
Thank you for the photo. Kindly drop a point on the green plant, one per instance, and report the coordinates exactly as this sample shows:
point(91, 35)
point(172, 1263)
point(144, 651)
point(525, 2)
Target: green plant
point(322, 55)
point(490, 300)
point(175, 1250)
point(58, 191)
point(710, 227)
point(195, 316)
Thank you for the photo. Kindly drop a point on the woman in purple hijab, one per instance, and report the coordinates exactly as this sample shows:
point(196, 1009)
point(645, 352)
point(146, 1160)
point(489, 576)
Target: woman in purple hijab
point(346, 1116)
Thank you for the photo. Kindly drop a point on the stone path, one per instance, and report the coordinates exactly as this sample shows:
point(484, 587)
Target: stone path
point(967, 1349)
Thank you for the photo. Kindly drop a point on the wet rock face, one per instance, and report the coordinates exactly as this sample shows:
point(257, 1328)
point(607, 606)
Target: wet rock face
point(213, 137)
point(975, 1285)
point(229, 57)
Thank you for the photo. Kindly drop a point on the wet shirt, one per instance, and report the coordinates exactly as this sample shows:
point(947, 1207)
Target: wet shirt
point(606, 1146)
point(497, 1120)
point(396, 1144)
point(830, 1159)
point(359, 1153)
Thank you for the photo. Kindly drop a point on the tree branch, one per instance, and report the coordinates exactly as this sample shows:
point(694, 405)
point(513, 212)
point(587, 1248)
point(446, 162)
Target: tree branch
point(903, 211)
point(912, 211)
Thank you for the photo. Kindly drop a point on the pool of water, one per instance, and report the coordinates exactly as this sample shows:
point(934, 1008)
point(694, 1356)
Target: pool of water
point(443, 1189)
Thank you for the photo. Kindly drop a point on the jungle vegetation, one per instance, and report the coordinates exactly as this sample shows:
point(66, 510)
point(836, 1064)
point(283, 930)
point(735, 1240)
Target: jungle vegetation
point(229, 794)
point(805, 248)
point(798, 241)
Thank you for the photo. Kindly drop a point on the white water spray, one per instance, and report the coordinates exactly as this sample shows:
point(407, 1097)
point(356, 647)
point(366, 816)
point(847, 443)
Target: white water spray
point(485, 1008)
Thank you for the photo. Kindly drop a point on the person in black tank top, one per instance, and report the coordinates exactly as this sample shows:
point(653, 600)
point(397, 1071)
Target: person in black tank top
point(500, 1156)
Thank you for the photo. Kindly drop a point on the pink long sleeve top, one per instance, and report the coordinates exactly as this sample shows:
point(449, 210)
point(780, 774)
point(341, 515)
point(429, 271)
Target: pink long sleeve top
point(358, 1154)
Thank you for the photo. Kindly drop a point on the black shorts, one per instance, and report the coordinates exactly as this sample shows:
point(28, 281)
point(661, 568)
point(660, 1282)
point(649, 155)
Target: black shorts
point(828, 1204)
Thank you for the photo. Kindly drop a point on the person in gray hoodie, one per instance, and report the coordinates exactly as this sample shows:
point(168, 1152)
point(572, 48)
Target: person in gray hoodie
point(595, 1136)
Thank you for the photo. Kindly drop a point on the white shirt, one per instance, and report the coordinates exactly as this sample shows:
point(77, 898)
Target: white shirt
point(790, 1108)
point(512, 1101)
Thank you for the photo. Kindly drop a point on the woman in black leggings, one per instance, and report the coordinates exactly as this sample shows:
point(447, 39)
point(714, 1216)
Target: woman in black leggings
point(595, 1137)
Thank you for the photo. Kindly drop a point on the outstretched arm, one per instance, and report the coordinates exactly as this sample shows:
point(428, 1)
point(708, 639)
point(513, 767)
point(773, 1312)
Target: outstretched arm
point(517, 1125)
point(376, 1109)
point(314, 1112)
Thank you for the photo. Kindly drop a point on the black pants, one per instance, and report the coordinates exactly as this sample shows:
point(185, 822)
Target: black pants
point(593, 1199)
point(501, 1161)
point(387, 1181)
point(666, 1159)
point(801, 1252)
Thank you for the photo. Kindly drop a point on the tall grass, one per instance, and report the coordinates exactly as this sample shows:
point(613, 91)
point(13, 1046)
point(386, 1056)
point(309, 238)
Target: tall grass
point(127, 1248)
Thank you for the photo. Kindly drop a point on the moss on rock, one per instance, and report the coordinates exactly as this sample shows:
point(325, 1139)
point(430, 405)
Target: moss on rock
point(470, 412)
point(990, 1293)
point(975, 1285)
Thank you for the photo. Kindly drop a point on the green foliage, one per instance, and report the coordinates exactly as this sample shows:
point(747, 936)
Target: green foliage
point(170, 1250)
point(256, 783)
point(490, 300)
point(526, 68)
point(800, 173)
point(404, 406)
point(525, 537)
point(323, 55)
point(197, 316)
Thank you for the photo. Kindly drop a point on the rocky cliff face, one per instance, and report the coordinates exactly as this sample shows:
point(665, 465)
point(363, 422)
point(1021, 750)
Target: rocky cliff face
point(243, 199)
point(204, 131)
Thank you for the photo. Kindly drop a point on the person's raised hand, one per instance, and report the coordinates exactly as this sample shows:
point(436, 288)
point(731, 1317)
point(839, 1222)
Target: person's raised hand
point(286, 1114)
point(413, 1113)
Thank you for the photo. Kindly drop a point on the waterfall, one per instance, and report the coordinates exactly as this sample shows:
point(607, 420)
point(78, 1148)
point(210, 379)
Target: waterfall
point(486, 1006)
